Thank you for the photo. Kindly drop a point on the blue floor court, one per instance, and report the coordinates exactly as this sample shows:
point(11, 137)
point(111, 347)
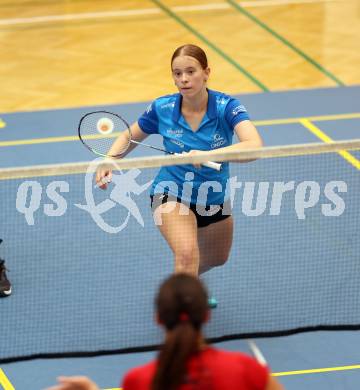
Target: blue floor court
point(321, 360)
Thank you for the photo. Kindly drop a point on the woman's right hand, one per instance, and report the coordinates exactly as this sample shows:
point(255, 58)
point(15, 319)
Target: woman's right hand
point(103, 175)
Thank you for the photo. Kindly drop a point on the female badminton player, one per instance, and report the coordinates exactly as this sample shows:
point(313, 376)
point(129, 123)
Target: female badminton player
point(189, 203)
point(185, 361)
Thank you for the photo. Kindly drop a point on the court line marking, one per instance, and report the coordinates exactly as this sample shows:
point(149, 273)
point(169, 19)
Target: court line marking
point(4, 381)
point(148, 11)
point(325, 138)
point(212, 46)
point(286, 42)
point(46, 140)
point(267, 3)
point(78, 16)
point(270, 122)
point(317, 370)
point(302, 372)
point(317, 118)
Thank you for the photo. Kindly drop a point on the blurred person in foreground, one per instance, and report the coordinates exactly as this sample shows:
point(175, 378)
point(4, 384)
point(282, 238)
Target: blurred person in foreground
point(185, 361)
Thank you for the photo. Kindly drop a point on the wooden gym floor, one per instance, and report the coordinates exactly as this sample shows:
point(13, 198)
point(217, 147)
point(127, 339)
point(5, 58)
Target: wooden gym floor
point(57, 54)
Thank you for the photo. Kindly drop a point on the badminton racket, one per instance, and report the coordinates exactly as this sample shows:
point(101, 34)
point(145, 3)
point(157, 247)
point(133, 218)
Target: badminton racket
point(98, 129)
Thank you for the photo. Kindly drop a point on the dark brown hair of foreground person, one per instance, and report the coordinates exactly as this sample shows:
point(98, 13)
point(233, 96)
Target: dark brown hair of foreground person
point(182, 309)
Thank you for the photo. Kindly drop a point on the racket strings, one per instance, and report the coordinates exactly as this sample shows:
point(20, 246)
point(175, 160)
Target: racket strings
point(98, 131)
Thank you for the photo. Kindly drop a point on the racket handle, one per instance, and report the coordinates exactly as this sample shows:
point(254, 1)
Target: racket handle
point(213, 165)
point(104, 180)
point(209, 164)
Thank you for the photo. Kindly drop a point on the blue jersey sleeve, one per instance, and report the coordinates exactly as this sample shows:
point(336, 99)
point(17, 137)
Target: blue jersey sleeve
point(149, 122)
point(235, 112)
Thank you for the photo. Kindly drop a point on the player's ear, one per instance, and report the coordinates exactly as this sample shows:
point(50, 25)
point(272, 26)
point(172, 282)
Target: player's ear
point(207, 74)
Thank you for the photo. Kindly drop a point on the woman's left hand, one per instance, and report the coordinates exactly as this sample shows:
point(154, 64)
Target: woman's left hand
point(74, 383)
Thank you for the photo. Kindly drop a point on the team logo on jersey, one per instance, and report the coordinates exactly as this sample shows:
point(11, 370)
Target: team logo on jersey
point(221, 101)
point(178, 133)
point(148, 108)
point(238, 109)
point(218, 141)
point(168, 105)
point(177, 142)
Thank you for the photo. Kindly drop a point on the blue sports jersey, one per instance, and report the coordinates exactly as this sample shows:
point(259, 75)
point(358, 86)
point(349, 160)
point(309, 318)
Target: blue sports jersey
point(204, 186)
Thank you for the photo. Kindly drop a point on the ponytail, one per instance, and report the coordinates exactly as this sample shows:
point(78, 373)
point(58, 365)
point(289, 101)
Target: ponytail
point(180, 344)
point(182, 309)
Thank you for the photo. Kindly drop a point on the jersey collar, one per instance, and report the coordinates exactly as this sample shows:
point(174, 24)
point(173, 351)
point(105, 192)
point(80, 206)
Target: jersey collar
point(211, 108)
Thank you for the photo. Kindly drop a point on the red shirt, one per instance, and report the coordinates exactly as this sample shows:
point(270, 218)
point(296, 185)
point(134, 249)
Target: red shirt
point(220, 369)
